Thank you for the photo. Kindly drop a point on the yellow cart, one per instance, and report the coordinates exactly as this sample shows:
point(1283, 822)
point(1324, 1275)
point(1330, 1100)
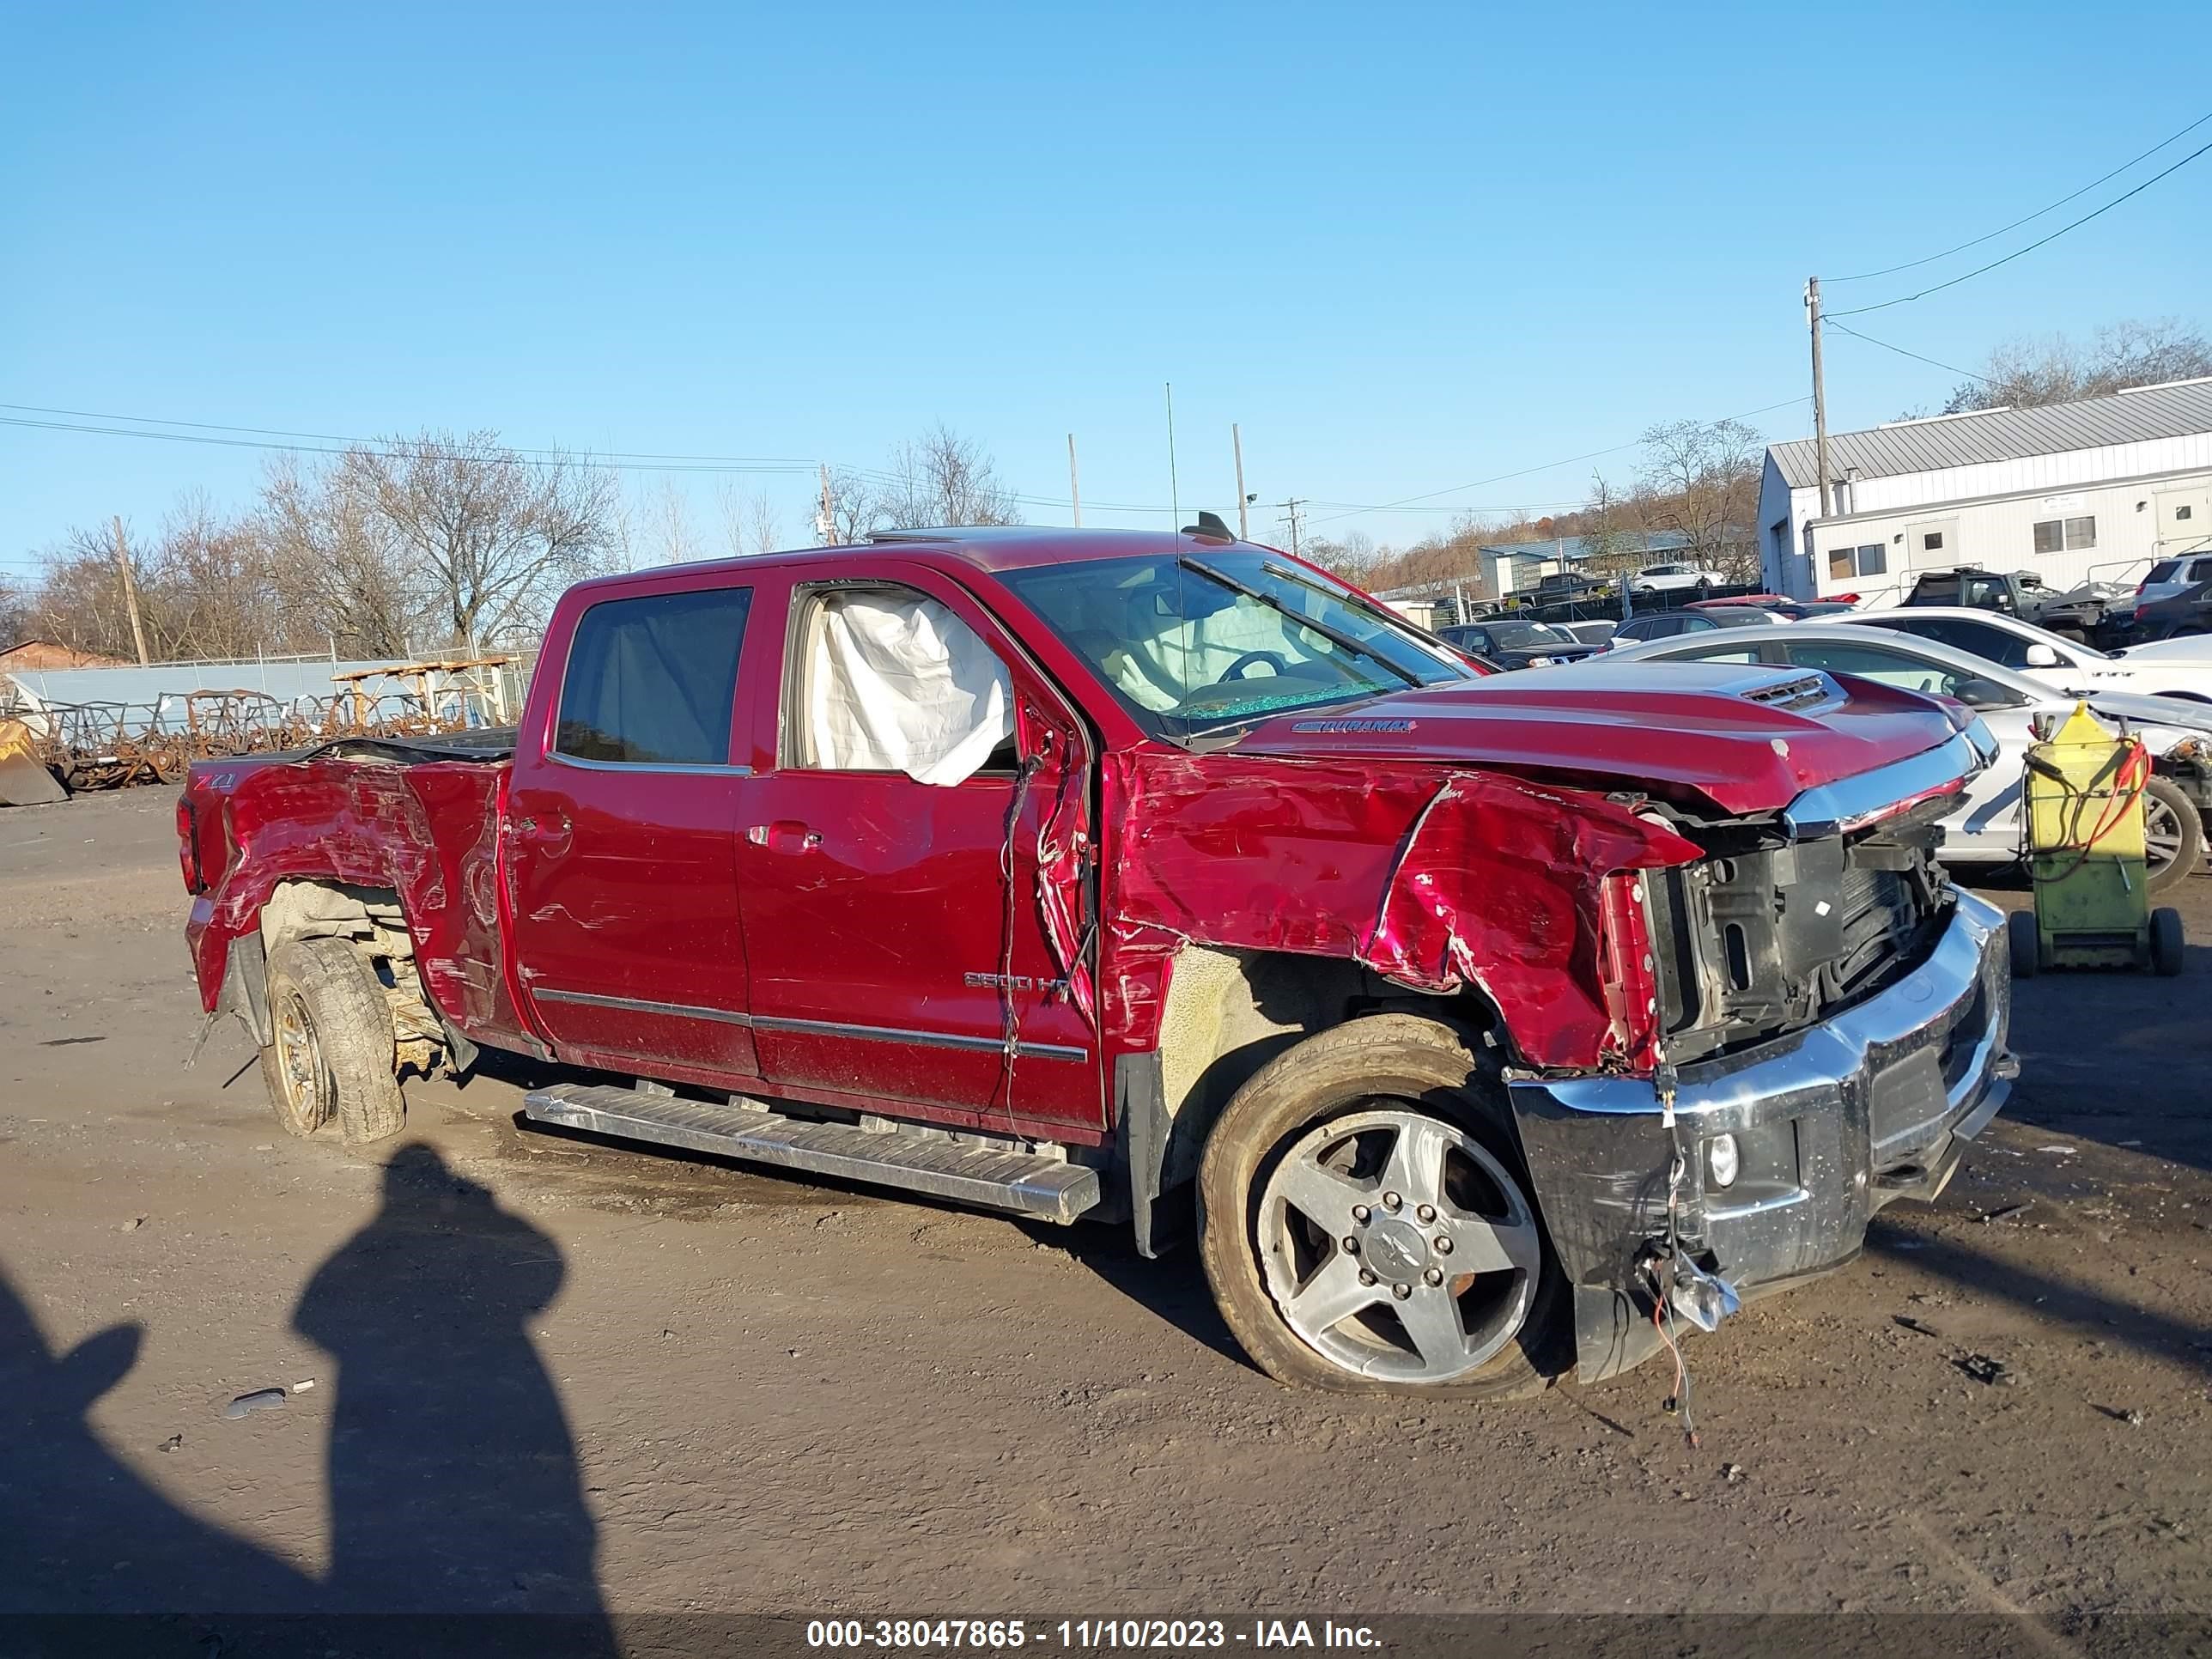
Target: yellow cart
point(2083, 794)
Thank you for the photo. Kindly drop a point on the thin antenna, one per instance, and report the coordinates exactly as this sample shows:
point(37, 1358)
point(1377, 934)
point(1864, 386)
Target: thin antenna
point(1181, 575)
point(1175, 500)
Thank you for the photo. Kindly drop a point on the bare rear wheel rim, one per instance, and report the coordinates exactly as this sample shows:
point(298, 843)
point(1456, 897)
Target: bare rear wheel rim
point(1397, 1247)
point(299, 1060)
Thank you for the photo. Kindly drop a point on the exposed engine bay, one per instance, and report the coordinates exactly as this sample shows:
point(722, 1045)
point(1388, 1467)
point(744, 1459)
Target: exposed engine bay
point(1770, 935)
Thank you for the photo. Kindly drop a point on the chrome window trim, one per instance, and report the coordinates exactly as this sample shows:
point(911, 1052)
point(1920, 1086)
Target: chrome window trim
point(639, 1006)
point(680, 769)
point(815, 1027)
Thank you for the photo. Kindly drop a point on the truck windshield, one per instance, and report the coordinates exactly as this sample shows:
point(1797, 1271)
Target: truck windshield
point(1222, 638)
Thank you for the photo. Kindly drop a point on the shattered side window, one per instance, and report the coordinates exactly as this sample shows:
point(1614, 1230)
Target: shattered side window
point(651, 681)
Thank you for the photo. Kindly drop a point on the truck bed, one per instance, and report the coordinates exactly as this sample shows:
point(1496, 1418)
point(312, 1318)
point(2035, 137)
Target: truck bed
point(490, 743)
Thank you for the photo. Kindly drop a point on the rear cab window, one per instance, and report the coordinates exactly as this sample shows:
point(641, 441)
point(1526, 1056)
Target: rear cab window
point(651, 681)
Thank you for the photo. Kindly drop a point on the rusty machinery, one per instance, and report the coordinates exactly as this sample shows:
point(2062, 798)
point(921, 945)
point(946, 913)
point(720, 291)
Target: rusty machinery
point(109, 746)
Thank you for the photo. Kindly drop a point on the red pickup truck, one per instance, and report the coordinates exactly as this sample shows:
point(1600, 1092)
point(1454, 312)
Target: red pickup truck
point(1478, 1027)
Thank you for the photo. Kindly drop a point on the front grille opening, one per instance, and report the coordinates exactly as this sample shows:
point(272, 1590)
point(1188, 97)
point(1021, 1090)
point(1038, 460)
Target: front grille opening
point(1751, 943)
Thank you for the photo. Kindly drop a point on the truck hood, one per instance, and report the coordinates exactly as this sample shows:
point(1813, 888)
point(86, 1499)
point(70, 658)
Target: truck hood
point(1748, 738)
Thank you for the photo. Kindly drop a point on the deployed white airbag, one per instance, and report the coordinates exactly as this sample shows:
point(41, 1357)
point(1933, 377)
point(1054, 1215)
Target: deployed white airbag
point(897, 682)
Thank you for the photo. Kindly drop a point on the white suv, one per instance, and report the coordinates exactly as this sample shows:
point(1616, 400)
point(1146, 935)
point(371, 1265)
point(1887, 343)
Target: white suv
point(1673, 579)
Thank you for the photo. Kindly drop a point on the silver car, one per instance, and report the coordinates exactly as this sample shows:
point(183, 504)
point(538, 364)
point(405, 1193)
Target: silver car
point(1986, 826)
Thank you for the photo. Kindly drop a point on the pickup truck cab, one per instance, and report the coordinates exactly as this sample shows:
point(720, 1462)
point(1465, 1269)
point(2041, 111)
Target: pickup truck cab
point(1475, 1025)
point(2021, 594)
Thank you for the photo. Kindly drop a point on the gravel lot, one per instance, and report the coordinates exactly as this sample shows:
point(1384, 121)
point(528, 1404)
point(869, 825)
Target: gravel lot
point(553, 1373)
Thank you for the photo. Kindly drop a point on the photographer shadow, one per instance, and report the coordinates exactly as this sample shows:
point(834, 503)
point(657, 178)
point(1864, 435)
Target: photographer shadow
point(457, 1510)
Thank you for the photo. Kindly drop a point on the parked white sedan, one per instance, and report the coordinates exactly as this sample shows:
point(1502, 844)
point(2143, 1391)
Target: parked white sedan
point(1985, 828)
point(2174, 668)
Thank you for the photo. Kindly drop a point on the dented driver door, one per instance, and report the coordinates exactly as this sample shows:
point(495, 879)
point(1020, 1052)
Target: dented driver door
point(922, 942)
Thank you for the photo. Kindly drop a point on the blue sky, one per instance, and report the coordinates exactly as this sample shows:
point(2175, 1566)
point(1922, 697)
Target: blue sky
point(1407, 248)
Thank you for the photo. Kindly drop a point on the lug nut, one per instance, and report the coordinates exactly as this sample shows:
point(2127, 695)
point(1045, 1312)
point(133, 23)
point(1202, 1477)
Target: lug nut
point(1427, 1212)
point(1351, 1245)
point(1391, 1201)
point(1434, 1276)
point(1360, 1212)
point(1401, 1291)
point(1366, 1278)
point(1443, 1244)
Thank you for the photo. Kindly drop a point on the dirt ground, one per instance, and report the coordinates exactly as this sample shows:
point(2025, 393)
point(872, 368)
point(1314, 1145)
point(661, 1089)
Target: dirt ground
point(554, 1374)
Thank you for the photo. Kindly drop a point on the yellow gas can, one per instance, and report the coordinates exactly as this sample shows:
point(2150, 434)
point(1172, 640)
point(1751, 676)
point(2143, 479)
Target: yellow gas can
point(2083, 795)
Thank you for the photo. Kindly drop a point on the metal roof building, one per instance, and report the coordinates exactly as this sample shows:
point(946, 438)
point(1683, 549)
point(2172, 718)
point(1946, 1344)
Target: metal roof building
point(2094, 490)
point(1518, 567)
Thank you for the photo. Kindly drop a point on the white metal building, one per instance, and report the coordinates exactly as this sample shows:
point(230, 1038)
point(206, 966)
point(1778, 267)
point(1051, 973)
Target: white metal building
point(2094, 490)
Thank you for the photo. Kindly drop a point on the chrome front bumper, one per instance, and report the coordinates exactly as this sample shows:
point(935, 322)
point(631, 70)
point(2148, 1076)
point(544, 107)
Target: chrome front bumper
point(1830, 1123)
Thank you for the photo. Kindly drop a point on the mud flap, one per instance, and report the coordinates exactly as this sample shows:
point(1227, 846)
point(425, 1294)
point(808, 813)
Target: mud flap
point(246, 988)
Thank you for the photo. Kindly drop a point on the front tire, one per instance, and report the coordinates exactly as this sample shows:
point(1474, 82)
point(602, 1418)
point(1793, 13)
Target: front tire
point(1367, 1228)
point(333, 1054)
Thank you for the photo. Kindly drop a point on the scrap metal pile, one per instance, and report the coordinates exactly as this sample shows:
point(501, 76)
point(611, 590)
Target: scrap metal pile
point(111, 746)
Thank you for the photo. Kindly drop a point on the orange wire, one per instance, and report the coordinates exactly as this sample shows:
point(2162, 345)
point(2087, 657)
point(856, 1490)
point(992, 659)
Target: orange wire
point(2130, 781)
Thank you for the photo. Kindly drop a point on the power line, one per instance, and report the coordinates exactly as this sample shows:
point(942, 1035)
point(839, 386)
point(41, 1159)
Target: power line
point(1950, 368)
point(2076, 224)
point(372, 443)
point(1911, 264)
point(511, 457)
point(330, 443)
point(1547, 466)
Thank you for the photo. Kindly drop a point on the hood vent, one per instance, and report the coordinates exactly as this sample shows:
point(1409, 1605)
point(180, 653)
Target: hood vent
point(1809, 692)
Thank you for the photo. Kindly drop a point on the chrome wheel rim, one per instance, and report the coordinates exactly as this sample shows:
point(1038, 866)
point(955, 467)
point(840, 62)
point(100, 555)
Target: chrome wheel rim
point(1397, 1247)
point(301, 1060)
point(2161, 833)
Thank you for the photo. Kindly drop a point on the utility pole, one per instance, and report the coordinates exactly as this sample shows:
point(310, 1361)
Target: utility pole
point(1819, 399)
point(1243, 520)
point(825, 513)
point(1074, 485)
point(130, 591)
point(1292, 506)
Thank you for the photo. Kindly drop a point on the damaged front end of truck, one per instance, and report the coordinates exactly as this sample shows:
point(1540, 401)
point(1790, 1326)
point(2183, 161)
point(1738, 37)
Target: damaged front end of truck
point(1831, 1019)
point(1730, 1000)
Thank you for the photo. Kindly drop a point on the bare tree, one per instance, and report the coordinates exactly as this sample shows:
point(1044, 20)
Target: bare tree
point(335, 562)
point(495, 535)
point(1610, 548)
point(78, 600)
point(1702, 479)
point(942, 478)
point(16, 612)
point(1354, 555)
point(857, 506)
point(210, 588)
point(672, 516)
point(2024, 372)
point(750, 522)
point(764, 526)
